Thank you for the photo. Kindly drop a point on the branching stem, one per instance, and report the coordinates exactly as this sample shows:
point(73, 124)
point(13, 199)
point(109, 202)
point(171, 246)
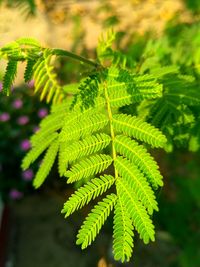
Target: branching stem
point(109, 111)
point(64, 53)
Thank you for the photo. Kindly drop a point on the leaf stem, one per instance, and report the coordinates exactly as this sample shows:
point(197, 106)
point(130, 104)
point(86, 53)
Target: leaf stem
point(109, 111)
point(64, 53)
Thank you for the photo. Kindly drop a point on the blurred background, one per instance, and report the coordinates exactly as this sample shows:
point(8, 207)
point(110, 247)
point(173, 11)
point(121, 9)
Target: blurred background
point(33, 233)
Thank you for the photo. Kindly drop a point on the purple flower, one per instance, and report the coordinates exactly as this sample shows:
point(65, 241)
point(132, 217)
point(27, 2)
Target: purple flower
point(25, 145)
point(15, 194)
point(17, 103)
point(31, 84)
point(42, 112)
point(36, 129)
point(22, 120)
point(5, 116)
point(27, 175)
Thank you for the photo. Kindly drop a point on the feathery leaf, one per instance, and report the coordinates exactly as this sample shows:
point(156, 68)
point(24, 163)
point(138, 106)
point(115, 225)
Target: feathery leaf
point(86, 193)
point(88, 167)
point(46, 165)
point(95, 220)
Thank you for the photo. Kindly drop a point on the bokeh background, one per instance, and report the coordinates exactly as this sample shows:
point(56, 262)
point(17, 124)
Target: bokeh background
point(38, 235)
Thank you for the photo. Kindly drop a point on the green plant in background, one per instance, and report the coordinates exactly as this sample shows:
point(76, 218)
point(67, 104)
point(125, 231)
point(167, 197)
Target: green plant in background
point(101, 129)
point(174, 60)
point(27, 7)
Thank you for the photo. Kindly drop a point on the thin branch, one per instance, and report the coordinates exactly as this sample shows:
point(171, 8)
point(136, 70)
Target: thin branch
point(60, 52)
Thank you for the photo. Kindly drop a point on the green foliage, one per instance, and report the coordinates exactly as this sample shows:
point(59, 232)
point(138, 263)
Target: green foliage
point(88, 167)
point(27, 7)
point(123, 233)
point(86, 193)
point(134, 127)
point(175, 110)
point(194, 5)
point(9, 77)
point(96, 138)
point(102, 133)
point(174, 60)
point(107, 54)
point(29, 69)
point(137, 154)
point(38, 67)
point(95, 220)
point(46, 165)
point(45, 79)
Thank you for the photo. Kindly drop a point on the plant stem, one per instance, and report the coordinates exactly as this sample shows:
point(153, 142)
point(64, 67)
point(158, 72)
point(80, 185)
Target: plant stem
point(109, 111)
point(64, 53)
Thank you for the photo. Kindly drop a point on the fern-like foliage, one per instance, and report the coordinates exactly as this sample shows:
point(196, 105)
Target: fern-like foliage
point(97, 146)
point(9, 76)
point(176, 111)
point(101, 135)
point(44, 139)
point(123, 232)
point(28, 74)
point(86, 193)
point(38, 67)
point(174, 60)
point(45, 79)
point(47, 164)
point(26, 7)
point(88, 167)
point(107, 54)
point(139, 156)
point(95, 220)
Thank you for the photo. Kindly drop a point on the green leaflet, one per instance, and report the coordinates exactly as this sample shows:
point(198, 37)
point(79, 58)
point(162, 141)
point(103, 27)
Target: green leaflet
point(89, 145)
point(11, 71)
point(35, 152)
point(49, 125)
point(43, 133)
point(46, 165)
point(29, 69)
point(137, 183)
point(84, 194)
point(139, 156)
point(123, 233)
point(28, 42)
point(84, 127)
point(106, 53)
point(135, 127)
point(95, 140)
point(188, 97)
point(95, 220)
point(62, 161)
point(88, 167)
point(38, 67)
point(45, 79)
point(125, 88)
point(159, 112)
point(136, 211)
